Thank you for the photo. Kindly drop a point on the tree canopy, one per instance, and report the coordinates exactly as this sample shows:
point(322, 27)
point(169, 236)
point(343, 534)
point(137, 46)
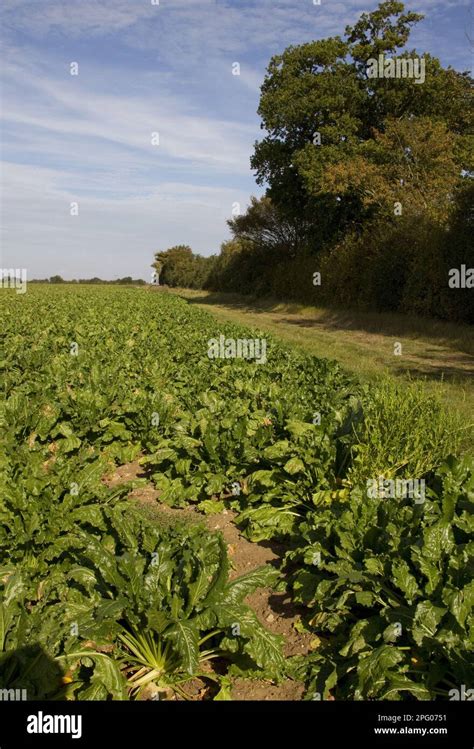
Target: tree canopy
point(367, 162)
point(330, 127)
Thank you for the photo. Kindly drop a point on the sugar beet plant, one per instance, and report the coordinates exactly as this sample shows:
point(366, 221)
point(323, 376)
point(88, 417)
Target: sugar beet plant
point(87, 577)
point(99, 602)
point(390, 592)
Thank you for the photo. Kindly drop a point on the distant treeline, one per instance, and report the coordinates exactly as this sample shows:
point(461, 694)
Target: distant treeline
point(123, 281)
point(369, 182)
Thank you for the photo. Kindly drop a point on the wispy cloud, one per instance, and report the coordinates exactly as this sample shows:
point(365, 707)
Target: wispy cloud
point(74, 107)
point(108, 237)
point(146, 68)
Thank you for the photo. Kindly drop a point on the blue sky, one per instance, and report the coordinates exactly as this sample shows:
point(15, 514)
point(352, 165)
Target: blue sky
point(144, 69)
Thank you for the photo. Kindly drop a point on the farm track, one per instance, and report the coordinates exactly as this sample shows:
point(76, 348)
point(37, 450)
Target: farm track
point(439, 355)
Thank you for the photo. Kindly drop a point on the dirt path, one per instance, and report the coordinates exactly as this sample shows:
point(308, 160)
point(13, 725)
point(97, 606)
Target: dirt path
point(275, 610)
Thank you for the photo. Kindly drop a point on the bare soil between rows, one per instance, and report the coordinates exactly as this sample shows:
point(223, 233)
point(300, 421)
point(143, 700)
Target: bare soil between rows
point(275, 610)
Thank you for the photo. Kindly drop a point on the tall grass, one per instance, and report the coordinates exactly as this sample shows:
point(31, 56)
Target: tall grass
point(407, 432)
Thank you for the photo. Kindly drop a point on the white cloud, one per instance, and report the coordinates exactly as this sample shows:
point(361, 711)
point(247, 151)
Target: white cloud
point(71, 109)
point(143, 68)
point(108, 238)
point(235, 25)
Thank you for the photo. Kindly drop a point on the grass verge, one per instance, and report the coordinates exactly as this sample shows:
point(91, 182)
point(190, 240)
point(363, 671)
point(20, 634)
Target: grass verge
point(436, 358)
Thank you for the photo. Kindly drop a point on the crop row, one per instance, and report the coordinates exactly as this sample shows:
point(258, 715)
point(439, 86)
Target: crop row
point(100, 602)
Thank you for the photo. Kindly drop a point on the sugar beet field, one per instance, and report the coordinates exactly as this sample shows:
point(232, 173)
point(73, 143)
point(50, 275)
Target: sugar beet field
point(147, 471)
